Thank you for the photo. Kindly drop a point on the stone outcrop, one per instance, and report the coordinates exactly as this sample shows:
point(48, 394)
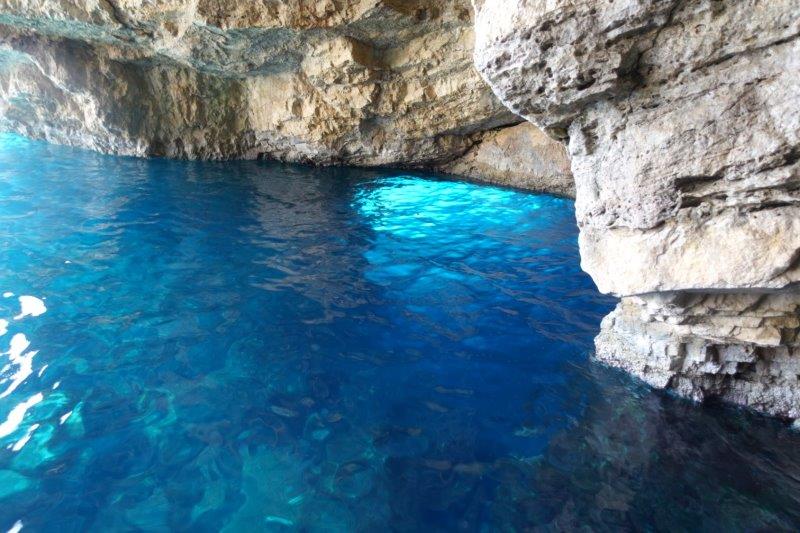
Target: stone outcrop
point(682, 121)
point(518, 156)
point(363, 82)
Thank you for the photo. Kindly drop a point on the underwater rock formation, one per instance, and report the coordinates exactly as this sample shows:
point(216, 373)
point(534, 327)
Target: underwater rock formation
point(367, 82)
point(682, 120)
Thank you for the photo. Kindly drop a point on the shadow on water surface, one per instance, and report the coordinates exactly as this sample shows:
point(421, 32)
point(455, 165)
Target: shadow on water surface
point(253, 346)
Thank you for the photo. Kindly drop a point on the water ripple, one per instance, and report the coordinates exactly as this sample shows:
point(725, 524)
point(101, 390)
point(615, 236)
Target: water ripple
point(251, 346)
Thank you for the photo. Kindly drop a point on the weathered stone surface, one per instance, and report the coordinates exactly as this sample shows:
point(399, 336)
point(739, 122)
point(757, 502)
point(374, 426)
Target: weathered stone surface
point(519, 156)
point(366, 82)
point(742, 348)
point(682, 119)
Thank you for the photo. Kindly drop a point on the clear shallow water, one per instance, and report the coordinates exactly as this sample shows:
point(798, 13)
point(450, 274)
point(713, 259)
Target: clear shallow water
point(248, 347)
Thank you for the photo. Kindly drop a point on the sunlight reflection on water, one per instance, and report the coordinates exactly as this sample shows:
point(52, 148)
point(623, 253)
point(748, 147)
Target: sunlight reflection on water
point(22, 418)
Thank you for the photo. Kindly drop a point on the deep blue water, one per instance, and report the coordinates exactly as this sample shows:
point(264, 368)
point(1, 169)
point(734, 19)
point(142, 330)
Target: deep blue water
point(255, 347)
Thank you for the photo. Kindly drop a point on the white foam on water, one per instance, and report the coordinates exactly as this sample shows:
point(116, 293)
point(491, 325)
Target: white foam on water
point(16, 528)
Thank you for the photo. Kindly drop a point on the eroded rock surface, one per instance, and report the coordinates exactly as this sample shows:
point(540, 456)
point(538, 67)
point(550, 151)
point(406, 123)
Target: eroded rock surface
point(366, 82)
point(518, 156)
point(682, 120)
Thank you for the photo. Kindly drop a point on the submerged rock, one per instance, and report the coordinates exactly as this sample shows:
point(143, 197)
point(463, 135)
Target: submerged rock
point(682, 120)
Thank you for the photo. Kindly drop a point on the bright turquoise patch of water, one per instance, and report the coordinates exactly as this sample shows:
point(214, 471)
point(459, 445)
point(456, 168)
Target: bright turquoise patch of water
point(256, 347)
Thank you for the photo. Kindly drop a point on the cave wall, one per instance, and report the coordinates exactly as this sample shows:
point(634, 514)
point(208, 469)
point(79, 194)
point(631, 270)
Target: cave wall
point(362, 82)
point(682, 121)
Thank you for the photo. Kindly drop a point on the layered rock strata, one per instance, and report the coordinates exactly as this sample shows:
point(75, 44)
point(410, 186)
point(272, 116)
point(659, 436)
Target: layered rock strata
point(363, 82)
point(682, 121)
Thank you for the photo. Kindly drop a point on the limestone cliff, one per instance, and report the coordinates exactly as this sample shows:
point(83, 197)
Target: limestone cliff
point(682, 120)
point(366, 82)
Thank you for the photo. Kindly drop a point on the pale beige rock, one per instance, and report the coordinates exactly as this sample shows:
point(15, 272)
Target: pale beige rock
point(520, 156)
point(682, 119)
point(742, 348)
point(365, 82)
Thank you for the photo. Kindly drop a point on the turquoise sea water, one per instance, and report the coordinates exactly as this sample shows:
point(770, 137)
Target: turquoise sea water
point(247, 346)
